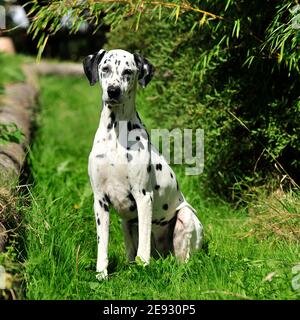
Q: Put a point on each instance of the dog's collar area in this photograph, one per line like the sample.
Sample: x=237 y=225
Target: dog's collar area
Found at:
x=120 y=111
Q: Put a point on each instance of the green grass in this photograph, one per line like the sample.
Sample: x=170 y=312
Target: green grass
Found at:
x=60 y=232
x=11 y=72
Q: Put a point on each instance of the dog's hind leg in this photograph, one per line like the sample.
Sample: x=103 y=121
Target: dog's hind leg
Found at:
x=130 y=231
x=188 y=233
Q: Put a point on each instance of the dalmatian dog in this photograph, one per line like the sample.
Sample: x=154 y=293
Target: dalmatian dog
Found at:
x=127 y=172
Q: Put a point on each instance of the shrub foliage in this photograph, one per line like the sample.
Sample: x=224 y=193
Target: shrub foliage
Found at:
x=228 y=67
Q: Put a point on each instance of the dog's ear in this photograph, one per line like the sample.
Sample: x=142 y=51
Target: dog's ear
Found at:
x=90 y=66
x=146 y=69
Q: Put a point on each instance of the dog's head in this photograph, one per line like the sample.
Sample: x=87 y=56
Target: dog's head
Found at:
x=118 y=72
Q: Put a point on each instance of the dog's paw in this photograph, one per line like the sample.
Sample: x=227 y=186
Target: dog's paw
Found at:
x=102 y=275
x=140 y=261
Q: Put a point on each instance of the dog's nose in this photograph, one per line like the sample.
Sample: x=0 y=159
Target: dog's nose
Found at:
x=113 y=92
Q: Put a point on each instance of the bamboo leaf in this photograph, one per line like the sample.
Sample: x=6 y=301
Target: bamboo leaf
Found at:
x=177 y=13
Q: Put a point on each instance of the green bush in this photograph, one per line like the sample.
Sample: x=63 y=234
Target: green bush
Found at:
x=234 y=74
x=226 y=82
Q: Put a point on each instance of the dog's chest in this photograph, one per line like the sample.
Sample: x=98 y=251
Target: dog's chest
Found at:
x=111 y=167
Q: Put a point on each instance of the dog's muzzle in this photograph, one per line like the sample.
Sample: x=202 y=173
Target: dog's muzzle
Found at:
x=114 y=93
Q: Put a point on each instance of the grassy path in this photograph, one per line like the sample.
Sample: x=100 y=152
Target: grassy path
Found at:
x=60 y=228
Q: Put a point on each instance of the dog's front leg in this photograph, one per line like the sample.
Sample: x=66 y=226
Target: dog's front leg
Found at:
x=144 y=207
x=102 y=223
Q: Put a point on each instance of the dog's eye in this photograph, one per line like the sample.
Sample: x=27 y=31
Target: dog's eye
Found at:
x=105 y=69
x=127 y=72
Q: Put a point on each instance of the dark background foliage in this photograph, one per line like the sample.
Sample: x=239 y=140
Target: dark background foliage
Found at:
x=203 y=80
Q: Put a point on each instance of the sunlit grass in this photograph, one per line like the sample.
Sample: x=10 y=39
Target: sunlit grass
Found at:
x=60 y=229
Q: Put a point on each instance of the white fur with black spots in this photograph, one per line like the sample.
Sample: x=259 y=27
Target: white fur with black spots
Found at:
x=128 y=173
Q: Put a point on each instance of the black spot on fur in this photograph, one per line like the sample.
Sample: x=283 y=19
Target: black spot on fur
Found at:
x=131 y=197
x=164 y=223
x=144 y=192
x=101 y=204
x=98 y=222
x=177 y=185
x=159 y=166
x=157 y=187
x=112 y=120
x=100 y=155
x=171 y=175
x=113 y=116
x=165 y=207
x=129 y=127
x=136 y=126
x=107 y=198
x=106 y=207
x=132 y=207
x=137 y=138
x=134 y=220
x=149 y=168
